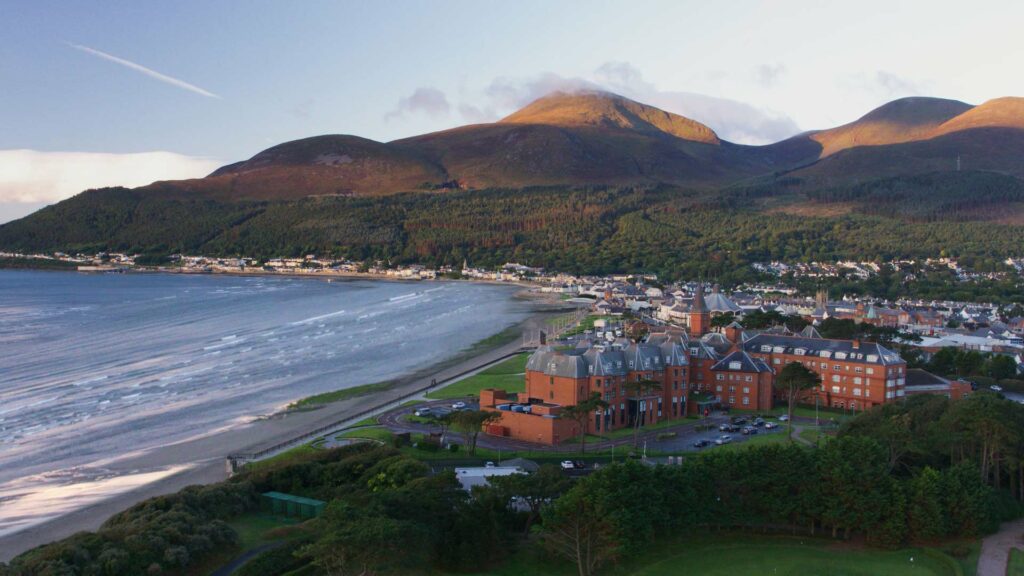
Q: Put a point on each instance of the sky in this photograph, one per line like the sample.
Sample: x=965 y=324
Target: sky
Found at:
x=128 y=92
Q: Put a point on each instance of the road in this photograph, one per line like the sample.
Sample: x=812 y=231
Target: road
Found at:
x=686 y=433
x=995 y=549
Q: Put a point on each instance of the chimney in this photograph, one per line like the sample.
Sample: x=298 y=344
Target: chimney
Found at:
x=856 y=344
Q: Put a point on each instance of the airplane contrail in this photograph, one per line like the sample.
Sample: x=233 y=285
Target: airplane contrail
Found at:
x=147 y=71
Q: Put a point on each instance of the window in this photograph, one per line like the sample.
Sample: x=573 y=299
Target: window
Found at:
x=551 y=381
x=598 y=383
x=746 y=390
x=835 y=377
x=776 y=361
x=719 y=377
x=871 y=370
x=718 y=388
x=732 y=399
x=856 y=380
x=746 y=401
x=835 y=367
x=856 y=392
x=735 y=365
x=749 y=378
x=732 y=388
x=835 y=389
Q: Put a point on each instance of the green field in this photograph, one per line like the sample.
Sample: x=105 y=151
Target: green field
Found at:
x=794 y=558
x=735 y=555
x=507 y=375
x=339 y=395
x=1016 y=565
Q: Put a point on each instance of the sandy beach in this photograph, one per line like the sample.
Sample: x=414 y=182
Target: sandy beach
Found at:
x=202 y=460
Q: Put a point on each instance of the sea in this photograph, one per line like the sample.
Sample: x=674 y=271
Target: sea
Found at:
x=95 y=366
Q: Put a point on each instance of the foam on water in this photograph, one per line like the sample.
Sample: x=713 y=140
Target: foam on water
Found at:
x=97 y=366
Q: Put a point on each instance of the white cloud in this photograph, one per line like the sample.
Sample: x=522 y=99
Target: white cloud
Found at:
x=768 y=74
x=33 y=176
x=427 y=100
x=147 y=71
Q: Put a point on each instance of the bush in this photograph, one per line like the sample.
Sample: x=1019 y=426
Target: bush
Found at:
x=667 y=435
x=275 y=561
x=427 y=446
x=453 y=447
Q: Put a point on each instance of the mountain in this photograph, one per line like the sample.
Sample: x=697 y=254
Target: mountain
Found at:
x=898 y=121
x=916 y=136
x=587 y=181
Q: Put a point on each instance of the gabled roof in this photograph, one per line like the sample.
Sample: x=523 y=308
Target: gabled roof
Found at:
x=810 y=332
x=865 y=352
x=740 y=361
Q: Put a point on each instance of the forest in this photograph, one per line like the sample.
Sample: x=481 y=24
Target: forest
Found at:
x=923 y=472
x=670 y=231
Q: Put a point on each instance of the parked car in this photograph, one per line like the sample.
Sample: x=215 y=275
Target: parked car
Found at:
x=568 y=465
x=739 y=420
x=489 y=465
x=996 y=388
x=579 y=464
x=723 y=439
x=759 y=422
x=724 y=427
x=701 y=443
x=770 y=425
x=423 y=412
x=784 y=418
x=459 y=406
x=749 y=431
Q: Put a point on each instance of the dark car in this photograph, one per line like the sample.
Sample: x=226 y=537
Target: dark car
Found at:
x=759 y=422
x=749 y=431
x=739 y=420
x=579 y=464
x=701 y=443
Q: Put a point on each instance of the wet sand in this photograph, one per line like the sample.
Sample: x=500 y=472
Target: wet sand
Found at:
x=205 y=456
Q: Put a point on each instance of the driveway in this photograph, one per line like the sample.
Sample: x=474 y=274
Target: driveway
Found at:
x=995 y=549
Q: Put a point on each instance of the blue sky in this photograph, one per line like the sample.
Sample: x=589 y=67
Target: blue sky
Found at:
x=754 y=71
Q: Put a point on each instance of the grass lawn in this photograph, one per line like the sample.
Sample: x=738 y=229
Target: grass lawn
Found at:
x=382 y=434
x=742 y=554
x=1016 y=565
x=584 y=325
x=758 y=440
x=252 y=528
x=824 y=414
x=793 y=557
x=814 y=435
x=284 y=457
x=338 y=395
x=507 y=375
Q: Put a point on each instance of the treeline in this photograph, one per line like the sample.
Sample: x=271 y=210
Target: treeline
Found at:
x=926 y=471
x=163 y=535
x=673 y=232
x=939 y=196
x=984 y=431
x=843 y=489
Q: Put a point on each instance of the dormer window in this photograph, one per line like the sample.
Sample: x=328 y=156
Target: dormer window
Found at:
x=799 y=351
x=766 y=348
x=735 y=365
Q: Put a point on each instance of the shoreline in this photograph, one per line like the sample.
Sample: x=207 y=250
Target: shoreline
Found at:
x=322 y=274
x=204 y=458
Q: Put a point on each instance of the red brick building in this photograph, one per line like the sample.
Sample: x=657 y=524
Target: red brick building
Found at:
x=855 y=375
x=731 y=368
